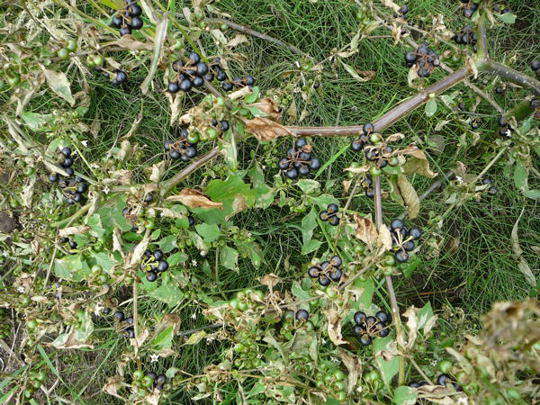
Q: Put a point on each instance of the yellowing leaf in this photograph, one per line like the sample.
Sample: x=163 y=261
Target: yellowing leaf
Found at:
x=194 y=199
x=59 y=83
x=365 y=229
x=409 y=196
x=417 y=162
x=361 y=76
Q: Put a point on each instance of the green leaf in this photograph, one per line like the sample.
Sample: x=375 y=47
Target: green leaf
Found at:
x=37 y=122
x=368 y=289
x=252 y=250
x=507 y=18
x=299 y=292
x=209 y=232
x=72 y=267
x=169 y=294
x=404 y=396
x=308 y=186
x=168 y=243
x=431 y=107
x=176 y=258
x=115 y=4
x=309 y=223
x=196 y=337
x=424 y=315
x=520 y=176
x=104 y=260
x=388 y=368
x=533 y=194
x=163 y=339
x=96 y=226
x=311 y=246
x=229 y=258
x=59 y=83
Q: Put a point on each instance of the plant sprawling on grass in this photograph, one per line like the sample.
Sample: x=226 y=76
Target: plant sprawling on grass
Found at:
x=183 y=218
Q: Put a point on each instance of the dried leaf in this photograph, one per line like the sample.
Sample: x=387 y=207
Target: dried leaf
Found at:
x=361 y=76
x=112 y=386
x=161 y=34
x=127 y=42
x=269 y=108
x=417 y=162
x=409 y=196
x=357 y=170
x=73 y=230
x=59 y=83
x=334 y=327
x=354 y=367
x=395 y=137
x=139 y=250
x=194 y=199
x=270 y=280
x=523 y=266
x=265 y=129
x=365 y=229
x=237 y=40
x=157 y=171
x=384 y=238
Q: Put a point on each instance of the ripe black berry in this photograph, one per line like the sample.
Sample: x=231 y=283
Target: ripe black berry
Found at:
x=185 y=85
x=134 y=10
x=126 y=30
x=119 y=315
x=158 y=254
x=194 y=58
x=163 y=265
x=120 y=77
x=302 y=315
x=66 y=151
x=324 y=281
x=227 y=86
x=535 y=65
x=136 y=23
x=313 y=272
x=151 y=276
x=396 y=224
x=359 y=317
x=117 y=21
x=401 y=256
x=53 y=177
x=224 y=125
x=443 y=379
x=336 y=275
x=382 y=316
x=365 y=339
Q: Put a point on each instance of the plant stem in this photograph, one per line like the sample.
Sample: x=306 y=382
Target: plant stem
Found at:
x=257 y=34
x=391 y=116
x=173 y=181
x=511 y=75
x=389 y=284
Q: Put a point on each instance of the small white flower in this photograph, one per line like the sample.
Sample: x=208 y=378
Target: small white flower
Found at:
x=154 y=358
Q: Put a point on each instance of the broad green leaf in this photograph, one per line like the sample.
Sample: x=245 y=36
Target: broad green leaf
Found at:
x=533 y=194
x=309 y=223
x=424 y=315
x=299 y=292
x=37 y=122
x=209 y=232
x=104 y=260
x=308 y=185
x=163 y=339
x=168 y=243
x=59 y=83
x=431 y=107
x=404 y=396
x=115 y=4
x=229 y=258
x=72 y=267
x=168 y=294
x=507 y=18
x=177 y=258
x=387 y=368
x=251 y=250
x=311 y=246
x=520 y=176
x=196 y=337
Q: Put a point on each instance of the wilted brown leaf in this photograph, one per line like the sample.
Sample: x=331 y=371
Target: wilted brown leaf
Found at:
x=523 y=266
x=384 y=238
x=265 y=129
x=237 y=40
x=357 y=170
x=269 y=107
x=417 y=162
x=409 y=196
x=112 y=386
x=354 y=367
x=127 y=42
x=73 y=230
x=334 y=327
x=365 y=229
x=270 y=280
x=194 y=199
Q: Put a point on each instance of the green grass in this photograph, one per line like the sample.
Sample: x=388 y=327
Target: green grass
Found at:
x=474 y=266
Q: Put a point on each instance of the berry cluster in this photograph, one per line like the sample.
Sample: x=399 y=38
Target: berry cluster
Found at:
x=366 y=184
x=374 y=149
x=149 y=381
x=505 y=130
x=330 y=215
x=443 y=379
x=327 y=271
x=368 y=327
x=128 y=19
x=154 y=263
x=125 y=324
x=185 y=147
x=72 y=244
x=469 y=7
x=491 y=189
x=74 y=188
x=425 y=58
x=500 y=8
x=193 y=73
x=299 y=160
x=403 y=240
x=466 y=36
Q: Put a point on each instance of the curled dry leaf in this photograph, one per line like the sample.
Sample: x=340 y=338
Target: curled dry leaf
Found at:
x=365 y=229
x=334 y=327
x=265 y=129
x=157 y=171
x=523 y=266
x=395 y=137
x=237 y=40
x=354 y=367
x=270 y=280
x=127 y=42
x=194 y=199
x=409 y=196
x=112 y=386
x=73 y=230
x=417 y=162
x=384 y=238
x=139 y=250
x=357 y=170
x=269 y=107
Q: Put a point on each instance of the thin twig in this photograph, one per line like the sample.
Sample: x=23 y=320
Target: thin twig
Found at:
x=246 y=30
x=389 y=284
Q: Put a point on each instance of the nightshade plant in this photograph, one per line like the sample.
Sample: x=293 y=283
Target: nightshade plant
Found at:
x=159 y=264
